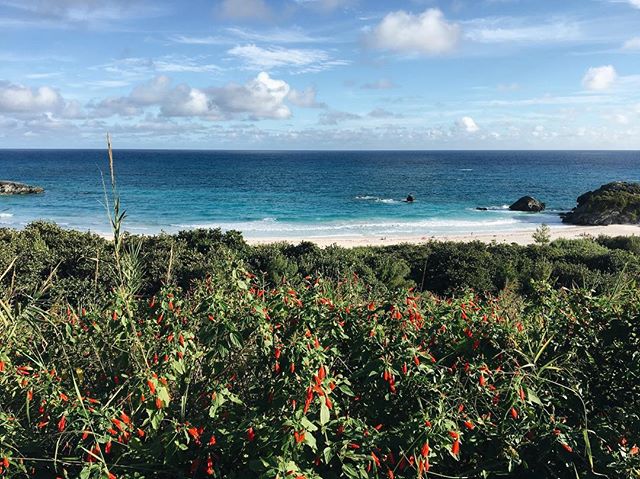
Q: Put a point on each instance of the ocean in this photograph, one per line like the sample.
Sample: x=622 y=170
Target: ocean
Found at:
x=304 y=194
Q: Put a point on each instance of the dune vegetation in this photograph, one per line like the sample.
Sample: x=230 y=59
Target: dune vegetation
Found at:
x=197 y=355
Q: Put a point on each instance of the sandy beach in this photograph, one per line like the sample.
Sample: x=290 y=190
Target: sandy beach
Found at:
x=521 y=237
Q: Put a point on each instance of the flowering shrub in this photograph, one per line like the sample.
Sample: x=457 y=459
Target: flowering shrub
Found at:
x=324 y=379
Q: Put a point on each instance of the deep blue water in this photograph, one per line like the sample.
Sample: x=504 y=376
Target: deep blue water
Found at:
x=305 y=194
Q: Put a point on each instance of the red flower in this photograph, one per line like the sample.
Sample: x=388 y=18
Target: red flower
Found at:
x=425 y=449
x=62 y=424
x=469 y=425
x=251 y=435
x=514 y=413
x=455 y=448
x=567 y=447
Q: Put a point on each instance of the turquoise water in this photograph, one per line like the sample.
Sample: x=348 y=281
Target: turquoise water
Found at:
x=307 y=194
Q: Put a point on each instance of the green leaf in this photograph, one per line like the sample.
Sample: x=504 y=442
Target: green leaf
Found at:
x=344 y=389
x=324 y=413
x=533 y=397
x=310 y=440
x=308 y=425
x=235 y=340
x=178 y=367
x=327 y=454
x=350 y=471
x=163 y=395
x=587 y=444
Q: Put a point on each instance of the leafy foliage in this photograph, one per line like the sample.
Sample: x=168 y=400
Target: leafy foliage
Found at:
x=317 y=377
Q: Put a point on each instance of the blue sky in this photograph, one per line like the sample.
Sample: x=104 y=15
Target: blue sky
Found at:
x=321 y=74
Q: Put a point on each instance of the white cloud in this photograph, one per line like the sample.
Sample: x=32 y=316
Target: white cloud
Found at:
x=509 y=30
x=59 y=13
x=305 y=98
x=468 y=124
x=151 y=92
x=244 y=9
x=600 y=78
x=428 y=33
x=184 y=100
x=262 y=97
x=303 y=60
x=632 y=43
x=19 y=98
x=28 y=102
x=334 y=117
x=635 y=3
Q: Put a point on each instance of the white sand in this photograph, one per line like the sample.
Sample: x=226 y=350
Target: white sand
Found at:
x=518 y=237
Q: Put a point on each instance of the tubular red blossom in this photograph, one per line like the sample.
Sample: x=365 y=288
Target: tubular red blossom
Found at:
x=455 y=448
x=62 y=423
x=425 y=449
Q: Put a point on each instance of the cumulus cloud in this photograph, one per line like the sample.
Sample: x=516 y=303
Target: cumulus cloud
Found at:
x=468 y=124
x=305 y=98
x=261 y=97
x=244 y=9
x=27 y=101
x=19 y=98
x=302 y=60
x=632 y=43
x=428 y=33
x=600 y=78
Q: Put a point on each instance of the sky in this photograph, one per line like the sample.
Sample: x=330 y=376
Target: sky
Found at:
x=320 y=74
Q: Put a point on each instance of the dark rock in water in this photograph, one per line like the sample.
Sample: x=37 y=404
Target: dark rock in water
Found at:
x=13 y=188
x=410 y=199
x=612 y=204
x=480 y=208
x=529 y=204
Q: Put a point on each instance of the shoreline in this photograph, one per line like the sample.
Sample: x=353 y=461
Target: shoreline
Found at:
x=520 y=237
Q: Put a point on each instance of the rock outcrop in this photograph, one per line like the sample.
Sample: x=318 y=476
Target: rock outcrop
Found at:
x=612 y=204
x=528 y=204
x=13 y=188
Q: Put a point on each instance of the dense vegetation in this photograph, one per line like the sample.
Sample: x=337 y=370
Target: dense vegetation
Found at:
x=197 y=355
x=613 y=203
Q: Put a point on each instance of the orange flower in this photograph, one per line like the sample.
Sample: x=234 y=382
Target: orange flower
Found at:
x=62 y=424
x=514 y=413
x=152 y=386
x=567 y=447
x=425 y=449
x=455 y=448
x=469 y=425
